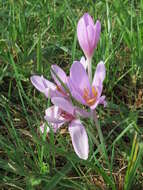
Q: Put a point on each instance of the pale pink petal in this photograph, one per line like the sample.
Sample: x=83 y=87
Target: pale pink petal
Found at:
x=42 y=84
x=91 y=37
x=79 y=139
x=103 y=101
x=52 y=115
x=79 y=76
x=99 y=74
x=82 y=36
x=88 y=19
x=43 y=127
x=63 y=104
x=97 y=32
x=100 y=100
x=76 y=93
x=84 y=62
x=99 y=90
x=78 y=97
x=60 y=73
x=37 y=83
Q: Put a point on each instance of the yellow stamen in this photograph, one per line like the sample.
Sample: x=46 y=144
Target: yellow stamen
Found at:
x=60 y=90
x=90 y=100
x=94 y=92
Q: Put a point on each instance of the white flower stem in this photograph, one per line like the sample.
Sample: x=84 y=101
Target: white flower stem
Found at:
x=89 y=60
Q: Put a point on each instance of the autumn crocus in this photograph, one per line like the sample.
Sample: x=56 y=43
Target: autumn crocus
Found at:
x=51 y=89
x=64 y=112
x=88 y=35
x=80 y=87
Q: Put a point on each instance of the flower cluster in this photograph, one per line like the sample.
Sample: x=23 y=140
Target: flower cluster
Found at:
x=77 y=87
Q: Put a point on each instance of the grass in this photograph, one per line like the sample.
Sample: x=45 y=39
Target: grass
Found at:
x=35 y=34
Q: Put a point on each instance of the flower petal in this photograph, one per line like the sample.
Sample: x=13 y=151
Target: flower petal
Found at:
x=99 y=74
x=82 y=36
x=91 y=37
x=60 y=73
x=103 y=101
x=42 y=84
x=88 y=19
x=84 y=62
x=52 y=115
x=43 y=127
x=75 y=92
x=63 y=104
x=78 y=97
x=79 y=76
x=79 y=139
x=100 y=100
x=97 y=32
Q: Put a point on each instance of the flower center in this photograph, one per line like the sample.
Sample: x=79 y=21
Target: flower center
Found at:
x=67 y=116
x=59 y=89
x=90 y=100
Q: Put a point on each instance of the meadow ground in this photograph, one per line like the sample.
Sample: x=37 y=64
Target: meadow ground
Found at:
x=34 y=34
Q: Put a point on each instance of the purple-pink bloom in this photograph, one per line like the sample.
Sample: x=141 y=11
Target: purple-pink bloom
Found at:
x=64 y=112
x=88 y=34
x=51 y=89
x=80 y=88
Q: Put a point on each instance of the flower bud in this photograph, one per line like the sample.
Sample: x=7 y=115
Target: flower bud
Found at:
x=88 y=34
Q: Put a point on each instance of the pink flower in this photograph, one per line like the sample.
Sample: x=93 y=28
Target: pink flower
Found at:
x=80 y=88
x=88 y=34
x=49 y=88
x=64 y=112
